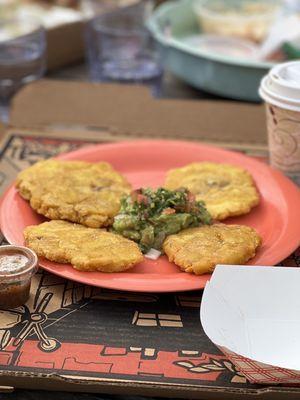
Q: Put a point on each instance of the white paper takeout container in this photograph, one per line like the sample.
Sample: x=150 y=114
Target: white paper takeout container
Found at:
x=253 y=315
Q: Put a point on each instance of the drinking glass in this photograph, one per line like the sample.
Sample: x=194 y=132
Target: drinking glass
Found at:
x=22 y=57
x=91 y=8
x=120 y=49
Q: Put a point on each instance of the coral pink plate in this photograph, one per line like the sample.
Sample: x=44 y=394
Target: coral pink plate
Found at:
x=145 y=163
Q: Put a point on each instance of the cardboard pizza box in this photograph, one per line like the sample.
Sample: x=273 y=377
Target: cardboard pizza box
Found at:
x=139 y=352
x=130 y=112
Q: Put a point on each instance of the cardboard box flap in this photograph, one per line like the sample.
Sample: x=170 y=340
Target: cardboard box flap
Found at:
x=264 y=326
x=50 y=102
x=131 y=111
x=176 y=360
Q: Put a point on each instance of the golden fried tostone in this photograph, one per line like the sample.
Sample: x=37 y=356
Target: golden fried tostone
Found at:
x=87 y=249
x=199 y=250
x=77 y=191
x=227 y=190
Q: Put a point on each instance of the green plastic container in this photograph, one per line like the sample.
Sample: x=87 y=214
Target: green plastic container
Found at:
x=214 y=73
x=291 y=51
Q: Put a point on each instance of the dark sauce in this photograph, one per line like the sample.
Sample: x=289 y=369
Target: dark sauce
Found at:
x=14 y=279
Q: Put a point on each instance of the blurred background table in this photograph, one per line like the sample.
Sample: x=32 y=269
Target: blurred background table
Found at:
x=172 y=87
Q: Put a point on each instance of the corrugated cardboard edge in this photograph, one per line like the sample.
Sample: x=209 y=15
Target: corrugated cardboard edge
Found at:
x=145 y=388
x=105 y=135
x=6 y=389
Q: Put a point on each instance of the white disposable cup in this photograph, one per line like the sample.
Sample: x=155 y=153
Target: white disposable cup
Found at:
x=280 y=90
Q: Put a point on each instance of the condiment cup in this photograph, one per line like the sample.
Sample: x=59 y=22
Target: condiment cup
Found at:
x=17 y=266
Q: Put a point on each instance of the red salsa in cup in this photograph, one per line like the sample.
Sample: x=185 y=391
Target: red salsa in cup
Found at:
x=17 y=266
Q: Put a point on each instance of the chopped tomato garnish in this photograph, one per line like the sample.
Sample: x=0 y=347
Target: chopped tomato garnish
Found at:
x=141 y=199
x=169 y=211
x=191 y=197
x=134 y=194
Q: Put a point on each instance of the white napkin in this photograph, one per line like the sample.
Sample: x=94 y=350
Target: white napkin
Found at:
x=285 y=29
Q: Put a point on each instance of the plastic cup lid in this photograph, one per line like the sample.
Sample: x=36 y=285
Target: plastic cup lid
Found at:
x=16 y=261
x=282 y=86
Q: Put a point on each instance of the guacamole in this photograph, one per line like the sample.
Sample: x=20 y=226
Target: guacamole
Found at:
x=148 y=216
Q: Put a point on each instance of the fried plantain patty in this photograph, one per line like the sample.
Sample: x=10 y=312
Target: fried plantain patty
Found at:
x=87 y=249
x=199 y=250
x=77 y=191
x=227 y=190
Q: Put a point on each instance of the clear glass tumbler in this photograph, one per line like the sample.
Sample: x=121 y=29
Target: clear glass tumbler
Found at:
x=22 y=57
x=92 y=8
x=120 y=49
